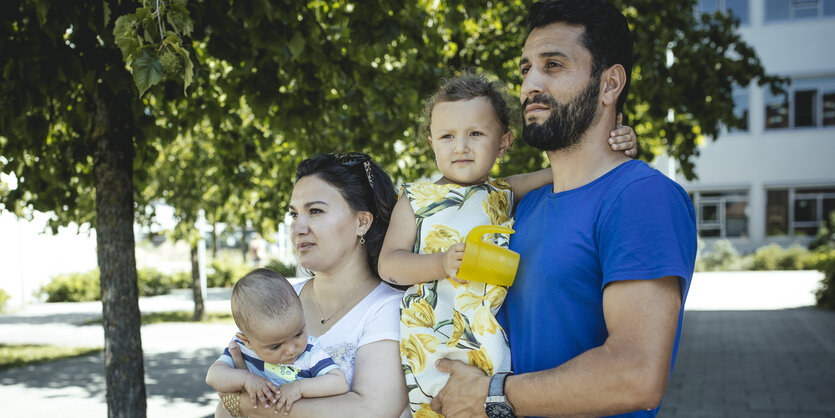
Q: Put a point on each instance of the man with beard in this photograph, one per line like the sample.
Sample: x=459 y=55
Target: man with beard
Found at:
x=607 y=252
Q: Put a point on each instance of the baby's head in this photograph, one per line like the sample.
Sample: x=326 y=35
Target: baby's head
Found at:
x=269 y=314
x=468 y=124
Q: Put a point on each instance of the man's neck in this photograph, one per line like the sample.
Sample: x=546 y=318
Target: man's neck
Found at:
x=583 y=163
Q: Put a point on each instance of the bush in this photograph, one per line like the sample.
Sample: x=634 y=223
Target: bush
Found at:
x=225 y=271
x=825 y=261
x=286 y=270
x=4 y=297
x=722 y=256
x=774 y=257
x=152 y=282
x=73 y=287
x=85 y=287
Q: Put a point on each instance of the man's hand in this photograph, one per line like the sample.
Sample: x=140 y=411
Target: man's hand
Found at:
x=237 y=356
x=465 y=391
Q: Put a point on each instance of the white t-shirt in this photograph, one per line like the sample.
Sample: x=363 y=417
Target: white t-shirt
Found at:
x=375 y=318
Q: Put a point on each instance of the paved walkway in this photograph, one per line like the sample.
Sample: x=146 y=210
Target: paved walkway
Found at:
x=751 y=348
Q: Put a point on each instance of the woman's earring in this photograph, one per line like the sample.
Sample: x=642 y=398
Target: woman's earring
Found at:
x=362 y=239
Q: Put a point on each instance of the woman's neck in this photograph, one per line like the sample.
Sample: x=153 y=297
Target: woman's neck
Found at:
x=336 y=292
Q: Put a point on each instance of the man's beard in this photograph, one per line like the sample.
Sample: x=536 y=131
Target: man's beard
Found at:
x=567 y=123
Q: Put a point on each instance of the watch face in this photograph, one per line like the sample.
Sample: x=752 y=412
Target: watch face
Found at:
x=498 y=410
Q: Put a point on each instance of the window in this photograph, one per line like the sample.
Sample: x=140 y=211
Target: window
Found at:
x=812 y=105
x=721 y=214
x=738 y=8
x=776 y=111
x=741 y=106
x=798 y=211
x=776 y=10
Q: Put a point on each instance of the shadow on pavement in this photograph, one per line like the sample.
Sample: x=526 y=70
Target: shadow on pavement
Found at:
x=176 y=376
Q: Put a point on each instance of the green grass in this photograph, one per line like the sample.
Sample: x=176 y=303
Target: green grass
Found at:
x=24 y=355
x=185 y=316
x=178 y=316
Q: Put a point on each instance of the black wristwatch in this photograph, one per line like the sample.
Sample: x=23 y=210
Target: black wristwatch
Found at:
x=496 y=406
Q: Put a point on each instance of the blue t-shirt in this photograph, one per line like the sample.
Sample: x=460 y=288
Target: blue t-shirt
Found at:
x=631 y=223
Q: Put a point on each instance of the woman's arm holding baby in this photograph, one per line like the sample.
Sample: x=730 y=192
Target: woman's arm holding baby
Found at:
x=378 y=389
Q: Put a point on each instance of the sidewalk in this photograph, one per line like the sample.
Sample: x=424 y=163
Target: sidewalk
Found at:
x=750 y=348
x=176 y=356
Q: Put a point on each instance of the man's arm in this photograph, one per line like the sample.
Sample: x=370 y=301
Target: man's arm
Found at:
x=629 y=372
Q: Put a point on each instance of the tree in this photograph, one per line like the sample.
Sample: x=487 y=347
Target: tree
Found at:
x=67 y=132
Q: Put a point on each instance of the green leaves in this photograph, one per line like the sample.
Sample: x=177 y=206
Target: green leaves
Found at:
x=147 y=71
x=126 y=37
x=151 y=52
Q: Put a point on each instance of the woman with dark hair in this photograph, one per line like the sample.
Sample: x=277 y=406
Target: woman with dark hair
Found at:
x=341 y=204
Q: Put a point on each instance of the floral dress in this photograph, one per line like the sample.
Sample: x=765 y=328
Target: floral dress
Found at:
x=444 y=318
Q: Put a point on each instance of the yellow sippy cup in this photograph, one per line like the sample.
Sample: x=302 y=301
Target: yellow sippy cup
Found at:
x=487 y=262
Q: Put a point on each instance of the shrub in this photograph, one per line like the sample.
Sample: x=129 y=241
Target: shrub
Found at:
x=225 y=271
x=181 y=280
x=722 y=256
x=85 y=287
x=774 y=257
x=824 y=261
x=4 y=297
x=73 y=287
x=286 y=270
x=152 y=282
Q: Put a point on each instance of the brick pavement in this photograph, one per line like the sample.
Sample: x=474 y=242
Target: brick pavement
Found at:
x=764 y=364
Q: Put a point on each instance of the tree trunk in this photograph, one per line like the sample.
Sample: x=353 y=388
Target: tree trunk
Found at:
x=113 y=172
x=199 y=307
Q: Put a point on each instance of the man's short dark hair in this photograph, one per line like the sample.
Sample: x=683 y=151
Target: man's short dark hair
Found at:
x=606 y=35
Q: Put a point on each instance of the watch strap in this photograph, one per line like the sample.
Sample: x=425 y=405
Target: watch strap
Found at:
x=497 y=384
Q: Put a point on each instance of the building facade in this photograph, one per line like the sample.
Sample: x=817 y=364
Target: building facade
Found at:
x=774 y=180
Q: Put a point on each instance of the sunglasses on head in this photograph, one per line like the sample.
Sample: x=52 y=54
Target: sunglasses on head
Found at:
x=351 y=159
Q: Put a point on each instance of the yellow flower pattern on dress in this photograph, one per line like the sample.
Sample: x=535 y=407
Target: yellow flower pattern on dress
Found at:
x=468 y=300
x=457 y=328
x=495 y=297
x=444 y=318
x=497 y=207
x=411 y=349
x=440 y=238
x=484 y=322
x=426 y=411
x=425 y=193
x=430 y=342
x=481 y=359
x=418 y=314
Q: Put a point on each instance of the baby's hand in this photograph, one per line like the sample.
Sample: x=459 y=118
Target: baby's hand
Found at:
x=452 y=261
x=288 y=393
x=260 y=389
x=623 y=138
